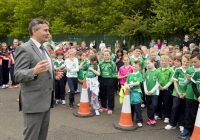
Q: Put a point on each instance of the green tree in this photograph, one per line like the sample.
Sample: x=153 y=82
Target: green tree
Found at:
x=175 y=16
x=6 y=16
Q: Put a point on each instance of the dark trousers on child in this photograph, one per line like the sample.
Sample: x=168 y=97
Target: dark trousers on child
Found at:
x=151 y=102
x=12 y=76
x=143 y=94
x=107 y=92
x=1 y=76
x=164 y=104
x=117 y=85
x=5 y=75
x=190 y=113
x=136 y=108
x=72 y=82
x=60 y=88
x=178 y=111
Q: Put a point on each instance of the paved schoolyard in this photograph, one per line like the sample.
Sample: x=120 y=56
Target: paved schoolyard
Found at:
x=64 y=126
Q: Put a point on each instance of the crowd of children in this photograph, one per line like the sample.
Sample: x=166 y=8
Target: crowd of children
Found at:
x=165 y=79
x=7 y=62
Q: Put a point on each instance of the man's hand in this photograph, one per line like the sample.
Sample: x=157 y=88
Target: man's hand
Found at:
x=41 y=67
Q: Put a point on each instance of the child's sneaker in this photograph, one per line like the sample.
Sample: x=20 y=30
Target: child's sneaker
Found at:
x=78 y=104
x=139 y=124
x=157 y=117
x=110 y=111
x=10 y=86
x=166 y=120
x=57 y=101
x=153 y=122
x=149 y=122
x=169 y=127
x=142 y=105
x=63 y=102
x=17 y=85
x=97 y=112
x=181 y=128
x=184 y=134
x=3 y=87
x=102 y=109
x=7 y=85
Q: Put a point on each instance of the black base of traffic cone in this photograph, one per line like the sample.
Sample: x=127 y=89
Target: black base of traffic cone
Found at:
x=117 y=126
x=76 y=114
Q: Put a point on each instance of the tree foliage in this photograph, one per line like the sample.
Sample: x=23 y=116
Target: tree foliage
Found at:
x=88 y=17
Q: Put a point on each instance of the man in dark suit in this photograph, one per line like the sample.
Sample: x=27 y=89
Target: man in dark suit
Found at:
x=36 y=75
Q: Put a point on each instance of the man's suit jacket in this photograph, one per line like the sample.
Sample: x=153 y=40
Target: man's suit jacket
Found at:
x=36 y=93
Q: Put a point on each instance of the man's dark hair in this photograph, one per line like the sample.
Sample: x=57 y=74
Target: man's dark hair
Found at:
x=34 y=24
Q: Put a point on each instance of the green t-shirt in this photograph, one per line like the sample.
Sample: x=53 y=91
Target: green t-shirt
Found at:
x=143 y=65
x=189 y=91
x=166 y=74
x=151 y=77
x=91 y=74
x=108 y=69
x=81 y=73
x=133 y=78
x=196 y=79
x=179 y=76
x=58 y=63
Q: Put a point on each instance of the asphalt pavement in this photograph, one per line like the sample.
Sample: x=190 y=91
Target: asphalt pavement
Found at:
x=65 y=126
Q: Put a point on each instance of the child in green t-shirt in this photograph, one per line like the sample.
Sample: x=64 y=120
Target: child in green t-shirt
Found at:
x=164 y=98
x=59 y=63
x=92 y=73
x=179 y=93
x=83 y=63
x=108 y=71
x=152 y=81
x=133 y=84
x=193 y=77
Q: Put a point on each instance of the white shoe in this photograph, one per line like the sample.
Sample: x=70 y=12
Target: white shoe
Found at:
x=7 y=85
x=169 y=127
x=78 y=104
x=181 y=128
x=57 y=101
x=166 y=120
x=97 y=112
x=4 y=86
x=139 y=124
x=63 y=102
x=157 y=118
x=77 y=91
x=142 y=105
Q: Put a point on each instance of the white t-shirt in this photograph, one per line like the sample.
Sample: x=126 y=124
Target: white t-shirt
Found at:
x=102 y=45
x=72 y=66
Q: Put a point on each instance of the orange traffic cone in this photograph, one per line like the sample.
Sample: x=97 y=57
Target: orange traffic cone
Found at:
x=84 y=108
x=125 y=123
x=196 y=131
